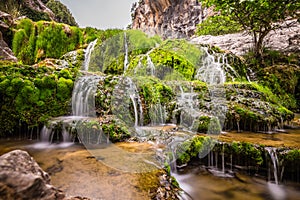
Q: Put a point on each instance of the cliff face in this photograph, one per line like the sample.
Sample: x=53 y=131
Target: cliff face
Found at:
x=169 y=18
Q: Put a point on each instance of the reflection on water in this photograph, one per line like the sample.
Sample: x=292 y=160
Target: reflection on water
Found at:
x=77 y=173
x=200 y=184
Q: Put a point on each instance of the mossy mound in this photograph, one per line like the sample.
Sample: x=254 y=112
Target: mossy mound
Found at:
x=32 y=94
x=35 y=41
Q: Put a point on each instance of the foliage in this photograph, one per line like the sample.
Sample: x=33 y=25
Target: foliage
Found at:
x=259 y=17
x=21 y=8
x=62 y=13
x=34 y=41
x=218 y=25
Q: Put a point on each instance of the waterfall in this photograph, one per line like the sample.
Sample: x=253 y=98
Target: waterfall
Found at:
x=88 y=53
x=214 y=69
x=157 y=114
x=150 y=64
x=275 y=165
x=83 y=106
x=83 y=97
x=188 y=105
x=126 y=53
x=136 y=101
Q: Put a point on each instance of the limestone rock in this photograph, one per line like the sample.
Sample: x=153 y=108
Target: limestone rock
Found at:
x=5 y=52
x=169 y=18
x=22 y=178
x=39 y=6
x=285 y=40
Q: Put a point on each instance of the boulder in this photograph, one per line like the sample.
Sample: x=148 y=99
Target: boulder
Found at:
x=22 y=178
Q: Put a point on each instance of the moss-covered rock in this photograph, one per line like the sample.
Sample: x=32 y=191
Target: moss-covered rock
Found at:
x=34 y=41
x=32 y=94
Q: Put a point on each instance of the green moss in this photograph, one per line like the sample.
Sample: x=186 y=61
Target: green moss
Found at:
x=34 y=41
x=168 y=59
x=116 y=130
x=293 y=155
x=193 y=147
x=29 y=96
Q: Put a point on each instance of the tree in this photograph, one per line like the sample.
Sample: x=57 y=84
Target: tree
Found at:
x=259 y=17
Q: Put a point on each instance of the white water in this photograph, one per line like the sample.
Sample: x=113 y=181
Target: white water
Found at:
x=136 y=101
x=188 y=104
x=157 y=114
x=83 y=97
x=275 y=165
x=83 y=105
x=150 y=64
x=126 y=53
x=88 y=53
x=214 y=69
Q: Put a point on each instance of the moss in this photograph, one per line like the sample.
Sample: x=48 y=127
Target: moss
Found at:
x=248 y=150
x=292 y=155
x=32 y=94
x=167 y=59
x=116 y=130
x=34 y=41
x=193 y=147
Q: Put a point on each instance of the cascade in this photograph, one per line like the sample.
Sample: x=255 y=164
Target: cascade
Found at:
x=126 y=53
x=136 y=101
x=88 y=53
x=157 y=114
x=150 y=64
x=187 y=103
x=83 y=97
x=124 y=91
x=275 y=165
x=214 y=69
x=83 y=106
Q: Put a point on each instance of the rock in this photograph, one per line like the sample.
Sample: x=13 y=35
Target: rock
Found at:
x=22 y=178
x=286 y=40
x=169 y=18
x=5 y=52
x=39 y=6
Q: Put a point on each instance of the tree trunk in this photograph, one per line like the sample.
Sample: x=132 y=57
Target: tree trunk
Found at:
x=258 y=45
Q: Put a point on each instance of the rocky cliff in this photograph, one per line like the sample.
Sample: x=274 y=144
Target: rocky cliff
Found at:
x=169 y=18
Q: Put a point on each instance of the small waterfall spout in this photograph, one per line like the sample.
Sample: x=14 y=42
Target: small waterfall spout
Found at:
x=275 y=165
x=150 y=65
x=137 y=103
x=88 y=53
x=83 y=98
x=126 y=53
